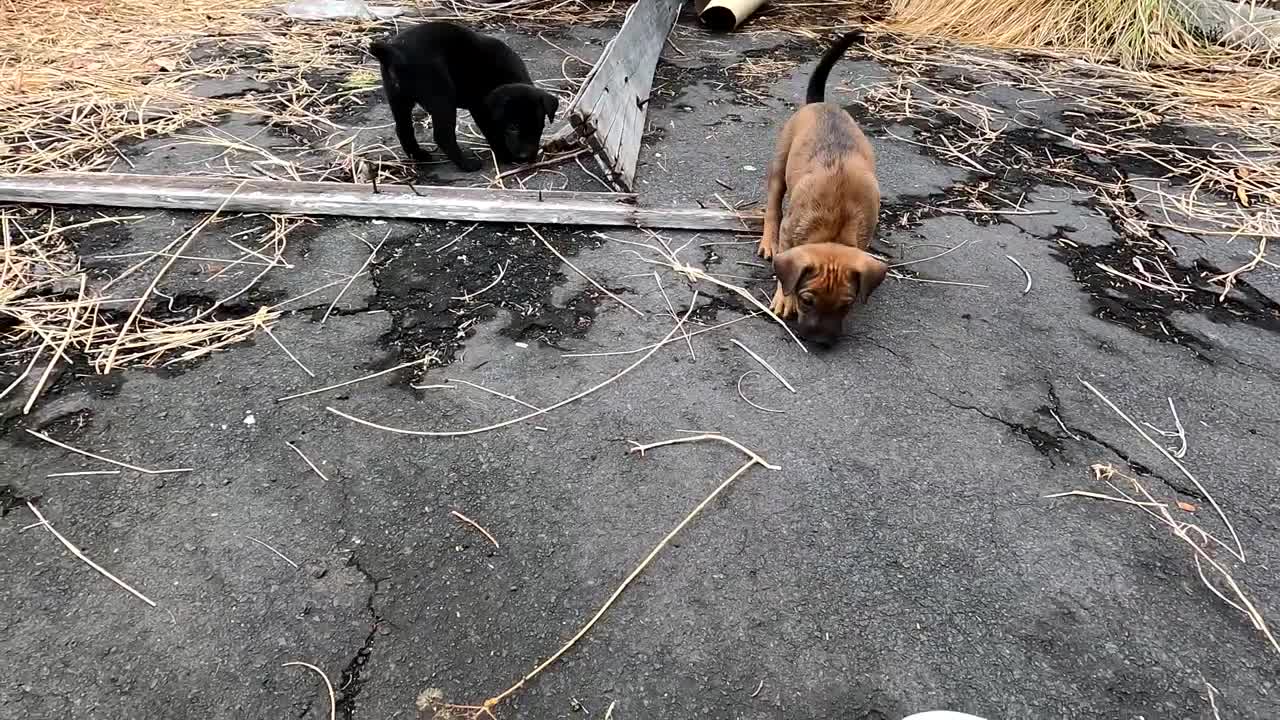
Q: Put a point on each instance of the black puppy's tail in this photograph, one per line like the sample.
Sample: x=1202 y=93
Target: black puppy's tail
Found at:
x=818 y=83
x=385 y=52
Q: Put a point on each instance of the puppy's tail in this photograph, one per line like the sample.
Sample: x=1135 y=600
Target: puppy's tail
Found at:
x=818 y=83
x=384 y=52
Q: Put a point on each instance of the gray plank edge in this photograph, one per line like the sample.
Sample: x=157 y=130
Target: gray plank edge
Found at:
x=348 y=200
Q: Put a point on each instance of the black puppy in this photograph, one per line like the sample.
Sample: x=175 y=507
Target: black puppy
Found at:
x=444 y=67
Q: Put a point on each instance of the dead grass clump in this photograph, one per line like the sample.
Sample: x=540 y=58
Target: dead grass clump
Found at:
x=79 y=80
x=541 y=11
x=1136 y=33
x=53 y=312
x=1215 y=574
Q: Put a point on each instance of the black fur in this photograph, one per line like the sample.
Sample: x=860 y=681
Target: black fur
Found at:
x=818 y=83
x=445 y=67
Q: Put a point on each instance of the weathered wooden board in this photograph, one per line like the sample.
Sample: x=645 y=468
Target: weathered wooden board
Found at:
x=344 y=199
x=609 y=111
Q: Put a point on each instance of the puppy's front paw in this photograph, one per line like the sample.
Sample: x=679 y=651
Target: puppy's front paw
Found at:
x=468 y=164
x=782 y=305
x=420 y=155
x=765 y=248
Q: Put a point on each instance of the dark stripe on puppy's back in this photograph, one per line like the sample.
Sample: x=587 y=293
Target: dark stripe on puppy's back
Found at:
x=832 y=140
x=818 y=83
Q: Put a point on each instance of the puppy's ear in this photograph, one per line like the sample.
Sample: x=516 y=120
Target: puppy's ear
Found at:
x=867 y=277
x=791 y=267
x=550 y=103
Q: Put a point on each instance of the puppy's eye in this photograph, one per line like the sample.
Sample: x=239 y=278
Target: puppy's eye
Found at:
x=806 y=300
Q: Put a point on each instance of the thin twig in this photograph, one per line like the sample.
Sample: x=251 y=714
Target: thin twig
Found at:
x=117 y=463
x=461 y=235
x=476 y=525
x=357 y=274
x=1063 y=425
x=695 y=333
x=699 y=437
x=948 y=251
x=468 y=297
x=588 y=278
x=286 y=350
x=60 y=352
x=333 y=700
x=362 y=378
x=1180 y=433
x=482 y=388
x=1181 y=530
x=1014 y=260
x=307 y=460
x=528 y=416
x=277 y=552
x=764 y=363
x=1239 y=549
x=76 y=551
x=155 y=281
x=747 y=399
x=696 y=274
x=754 y=460
x=672 y=309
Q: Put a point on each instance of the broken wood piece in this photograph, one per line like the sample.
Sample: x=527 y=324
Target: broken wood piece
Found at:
x=609 y=110
x=348 y=200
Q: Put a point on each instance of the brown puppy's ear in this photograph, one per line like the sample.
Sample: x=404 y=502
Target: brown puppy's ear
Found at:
x=791 y=266
x=550 y=103
x=867 y=277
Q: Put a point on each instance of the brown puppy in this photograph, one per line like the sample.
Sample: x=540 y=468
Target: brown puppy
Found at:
x=818 y=246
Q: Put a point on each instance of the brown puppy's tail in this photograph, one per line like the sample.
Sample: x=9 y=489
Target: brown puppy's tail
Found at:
x=818 y=83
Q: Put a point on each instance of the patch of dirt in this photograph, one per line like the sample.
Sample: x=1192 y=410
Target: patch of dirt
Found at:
x=421 y=286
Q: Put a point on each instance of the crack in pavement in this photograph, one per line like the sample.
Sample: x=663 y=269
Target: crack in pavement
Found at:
x=1042 y=441
x=1046 y=442
x=351 y=681
x=1138 y=467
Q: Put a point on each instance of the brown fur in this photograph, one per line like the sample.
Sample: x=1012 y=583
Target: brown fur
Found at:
x=826 y=167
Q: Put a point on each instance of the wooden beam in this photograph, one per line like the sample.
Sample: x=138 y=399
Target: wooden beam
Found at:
x=344 y=199
x=608 y=113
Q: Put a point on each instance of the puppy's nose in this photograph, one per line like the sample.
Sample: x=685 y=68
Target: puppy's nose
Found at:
x=823 y=340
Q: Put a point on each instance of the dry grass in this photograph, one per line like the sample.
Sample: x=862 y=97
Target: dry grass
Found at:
x=1215 y=574
x=53 y=312
x=81 y=80
x=1136 y=33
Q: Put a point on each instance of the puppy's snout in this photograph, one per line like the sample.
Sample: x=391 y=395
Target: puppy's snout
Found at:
x=821 y=331
x=823 y=341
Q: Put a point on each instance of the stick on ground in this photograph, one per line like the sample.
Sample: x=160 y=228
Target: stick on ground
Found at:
x=475 y=431
x=477 y=526
x=765 y=364
x=1239 y=548
x=333 y=701
x=753 y=460
x=76 y=551
x=88 y=454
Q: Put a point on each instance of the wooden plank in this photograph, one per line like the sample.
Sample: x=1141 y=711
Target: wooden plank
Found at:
x=349 y=200
x=610 y=108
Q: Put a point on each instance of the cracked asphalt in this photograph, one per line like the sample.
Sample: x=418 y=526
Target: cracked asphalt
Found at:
x=904 y=558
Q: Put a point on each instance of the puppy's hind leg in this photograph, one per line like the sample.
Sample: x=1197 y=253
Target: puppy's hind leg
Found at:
x=402 y=112
x=776 y=180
